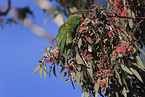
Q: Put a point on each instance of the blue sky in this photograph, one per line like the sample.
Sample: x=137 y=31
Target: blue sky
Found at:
x=20 y=51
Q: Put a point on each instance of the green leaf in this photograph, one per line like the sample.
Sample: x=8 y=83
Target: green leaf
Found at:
x=133 y=14
x=118 y=77
x=96 y=87
x=126 y=69
x=139 y=49
x=136 y=74
x=90 y=69
x=37 y=68
x=108 y=5
x=116 y=93
x=113 y=58
x=45 y=68
x=90 y=48
x=79 y=59
x=40 y=72
x=83 y=94
x=80 y=43
x=130 y=23
x=107 y=84
x=53 y=51
x=77 y=78
x=140 y=62
x=86 y=94
x=63 y=75
x=67 y=80
x=72 y=83
x=124 y=2
x=62 y=69
x=54 y=70
x=124 y=92
x=124 y=25
x=50 y=70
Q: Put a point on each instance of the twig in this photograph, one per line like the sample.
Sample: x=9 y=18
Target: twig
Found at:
x=137 y=26
x=80 y=11
x=128 y=17
x=54 y=39
x=8 y=9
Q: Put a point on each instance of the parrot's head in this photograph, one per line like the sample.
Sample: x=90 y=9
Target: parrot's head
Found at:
x=74 y=20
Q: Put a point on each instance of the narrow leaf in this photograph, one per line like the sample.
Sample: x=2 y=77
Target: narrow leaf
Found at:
x=116 y=93
x=86 y=94
x=37 y=68
x=136 y=74
x=139 y=49
x=90 y=48
x=96 y=86
x=45 y=69
x=83 y=94
x=130 y=23
x=40 y=72
x=79 y=42
x=79 y=59
x=67 y=80
x=108 y=5
x=90 y=69
x=126 y=69
x=62 y=69
x=124 y=92
x=63 y=75
x=118 y=77
x=72 y=83
x=140 y=62
x=45 y=72
x=77 y=78
x=54 y=70
x=50 y=71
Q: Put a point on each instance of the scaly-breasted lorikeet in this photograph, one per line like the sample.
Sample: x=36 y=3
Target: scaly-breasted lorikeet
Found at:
x=65 y=33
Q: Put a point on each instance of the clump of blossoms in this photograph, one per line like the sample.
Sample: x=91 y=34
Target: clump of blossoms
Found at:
x=103 y=58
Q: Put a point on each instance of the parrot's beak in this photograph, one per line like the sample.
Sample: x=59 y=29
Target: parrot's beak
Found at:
x=82 y=20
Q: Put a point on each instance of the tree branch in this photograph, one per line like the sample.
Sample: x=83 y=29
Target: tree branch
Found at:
x=9 y=7
x=37 y=30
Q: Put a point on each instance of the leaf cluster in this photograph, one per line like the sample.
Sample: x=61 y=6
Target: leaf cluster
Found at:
x=104 y=57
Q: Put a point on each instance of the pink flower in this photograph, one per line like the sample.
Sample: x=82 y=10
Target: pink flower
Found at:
x=124 y=13
x=125 y=45
x=47 y=60
x=93 y=82
x=107 y=27
x=56 y=53
x=123 y=49
x=97 y=24
x=130 y=48
x=127 y=7
x=118 y=5
x=89 y=57
x=118 y=49
x=109 y=34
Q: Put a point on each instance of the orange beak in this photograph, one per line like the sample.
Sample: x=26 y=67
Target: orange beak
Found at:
x=82 y=20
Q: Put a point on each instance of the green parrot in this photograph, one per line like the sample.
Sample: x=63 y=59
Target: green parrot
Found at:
x=65 y=33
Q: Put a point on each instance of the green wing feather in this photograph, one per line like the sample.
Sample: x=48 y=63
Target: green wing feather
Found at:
x=62 y=35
